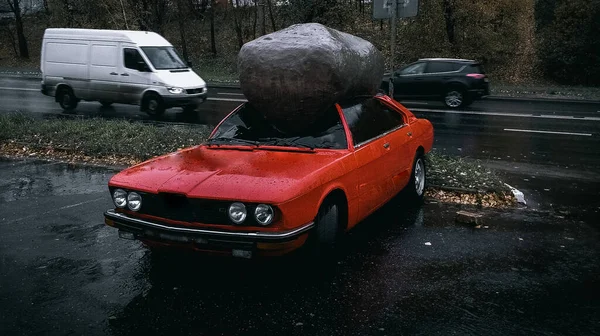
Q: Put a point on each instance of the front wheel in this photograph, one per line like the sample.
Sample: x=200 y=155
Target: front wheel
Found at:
x=326 y=230
x=66 y=99
x=415 y=190
x=153 y=105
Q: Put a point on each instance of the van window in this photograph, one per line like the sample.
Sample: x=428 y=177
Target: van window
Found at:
x=164 y=58
x=132 y=57
x=104 y=55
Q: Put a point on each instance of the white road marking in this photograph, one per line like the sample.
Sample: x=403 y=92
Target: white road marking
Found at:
x=228 y=99
x=414 y=103
x=546 y=132
x=230 y=94
x=499 y=114
x=17 y=89
x=504 y=114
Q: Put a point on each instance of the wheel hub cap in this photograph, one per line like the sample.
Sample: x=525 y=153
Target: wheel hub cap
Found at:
x=454 y=99
x=419 y=177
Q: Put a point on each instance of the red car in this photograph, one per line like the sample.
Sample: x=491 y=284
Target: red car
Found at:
x=250 y=190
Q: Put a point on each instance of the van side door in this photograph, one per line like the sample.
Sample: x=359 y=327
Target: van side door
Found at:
x=135 y=74
x=104 y=68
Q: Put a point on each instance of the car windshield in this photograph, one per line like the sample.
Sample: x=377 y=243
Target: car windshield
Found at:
x=164 y=58
x=248 y=127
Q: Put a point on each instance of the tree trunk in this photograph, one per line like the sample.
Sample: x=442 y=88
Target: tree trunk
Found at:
x=271 y=15
x=213 y=45
x=181 y=20
x=450 y=21
x=255 y=19
x=236 y=22
x=264 y=20
x=16 y=9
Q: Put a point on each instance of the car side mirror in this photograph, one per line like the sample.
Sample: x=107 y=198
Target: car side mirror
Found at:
x=142 y=67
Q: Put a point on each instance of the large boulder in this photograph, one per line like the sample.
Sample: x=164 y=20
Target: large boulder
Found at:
x=294 y=75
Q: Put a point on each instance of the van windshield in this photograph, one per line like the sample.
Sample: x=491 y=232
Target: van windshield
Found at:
x=164 y=58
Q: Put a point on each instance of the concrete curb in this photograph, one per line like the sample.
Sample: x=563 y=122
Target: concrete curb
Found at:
x=220 y=85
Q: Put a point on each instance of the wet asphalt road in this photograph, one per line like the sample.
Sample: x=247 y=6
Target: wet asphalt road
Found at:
x=533 y=271
x=532 y=131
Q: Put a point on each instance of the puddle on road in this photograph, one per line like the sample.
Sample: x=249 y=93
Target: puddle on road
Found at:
x=22 y=181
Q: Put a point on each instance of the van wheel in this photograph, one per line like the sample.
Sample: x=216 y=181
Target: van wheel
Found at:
x=106 y=104
x=153 y=105
x=66 y=99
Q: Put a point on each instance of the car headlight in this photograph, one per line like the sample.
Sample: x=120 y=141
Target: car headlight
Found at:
x=264 y=214
x=134 y=201
x=120 y=198
x=175 y=90
x=237 y=212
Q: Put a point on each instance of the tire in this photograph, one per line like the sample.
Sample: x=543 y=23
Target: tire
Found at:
x=415 y=189
x=153 y=105
x=455 y=97
x=190 y=110
x=66 y=99
x=106 y=104
x=326 y=232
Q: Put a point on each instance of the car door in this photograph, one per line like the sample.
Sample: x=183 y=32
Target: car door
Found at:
x=400 y=138
x=407 y=81
x=134 y=75
x=437 y=73
x=104 y=72
x=372 y=152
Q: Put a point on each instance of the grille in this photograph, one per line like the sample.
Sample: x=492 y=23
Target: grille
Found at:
x=194 y=91
x=180 y=208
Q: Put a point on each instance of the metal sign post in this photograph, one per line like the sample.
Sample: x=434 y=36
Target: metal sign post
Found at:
x=393 y=47
x=393 y=9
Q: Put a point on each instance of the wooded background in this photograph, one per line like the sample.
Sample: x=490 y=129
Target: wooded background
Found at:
x=517 y=40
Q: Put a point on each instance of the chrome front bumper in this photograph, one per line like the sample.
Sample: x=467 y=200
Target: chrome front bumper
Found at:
x=144 y=229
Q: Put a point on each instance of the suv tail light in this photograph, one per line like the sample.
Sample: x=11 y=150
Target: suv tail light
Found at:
x=476 y=75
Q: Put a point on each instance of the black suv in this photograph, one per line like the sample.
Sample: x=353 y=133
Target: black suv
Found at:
x=456 y=82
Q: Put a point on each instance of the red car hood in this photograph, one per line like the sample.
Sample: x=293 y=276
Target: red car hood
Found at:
x=233 y=174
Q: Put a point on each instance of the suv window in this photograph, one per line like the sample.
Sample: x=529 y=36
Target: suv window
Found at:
x=131 y=58
x=475 y=68
x=435 y=67
x=415 y=69
x=248 y=124
x=368 y=119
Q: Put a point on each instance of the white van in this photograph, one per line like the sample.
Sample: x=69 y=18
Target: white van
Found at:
x=117 y=66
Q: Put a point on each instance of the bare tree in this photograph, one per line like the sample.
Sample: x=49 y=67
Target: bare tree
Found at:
x=15 y=7
x=450 y=20
x=181 y=20
x=237 y=23
x=270 y=5
x=213 y=44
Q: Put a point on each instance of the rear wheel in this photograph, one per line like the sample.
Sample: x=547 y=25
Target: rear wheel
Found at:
x=153 y=105
x=415 y=190
x=454 y=97
x=66 y=99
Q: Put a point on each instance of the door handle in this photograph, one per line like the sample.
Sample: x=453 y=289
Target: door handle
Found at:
x=409 y=133
x=386 y=145
x=113 y=73
x=124 y=74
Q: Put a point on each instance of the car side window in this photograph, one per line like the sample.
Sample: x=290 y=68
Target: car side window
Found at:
x=131 y=58
x=415 y=69
x=435 y=67
x=368 y=119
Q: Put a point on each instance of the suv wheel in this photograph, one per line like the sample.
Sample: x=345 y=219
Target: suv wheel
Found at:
x=454 y=98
